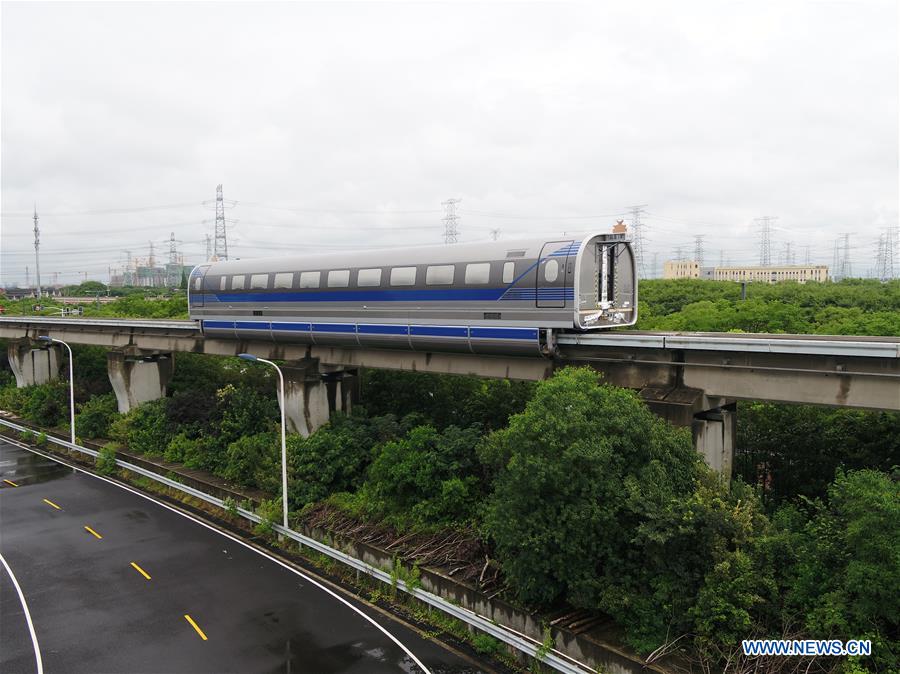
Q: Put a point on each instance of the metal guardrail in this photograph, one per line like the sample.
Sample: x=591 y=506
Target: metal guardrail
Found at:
x=558 y=661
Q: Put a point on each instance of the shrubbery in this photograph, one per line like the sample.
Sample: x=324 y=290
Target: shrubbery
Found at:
x=427 y=478
x=144 y=429
x=96 y=416
x=335 y=458
x=106 y=460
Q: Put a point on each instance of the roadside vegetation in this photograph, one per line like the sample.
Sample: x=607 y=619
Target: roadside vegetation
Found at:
x=569 y=491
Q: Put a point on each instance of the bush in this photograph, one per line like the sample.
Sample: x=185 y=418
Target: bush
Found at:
x=244 y=411
x=444 y=400
x=47 y=404
x=96 y=416
x=427 y=478
x=335 y=457
x=13 y=399
x=255 y=461
x=203 y=452
x=577 y=473
x=106 y=460
x=144 y=429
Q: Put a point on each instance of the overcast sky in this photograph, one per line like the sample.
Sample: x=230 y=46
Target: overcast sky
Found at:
x=340 y=125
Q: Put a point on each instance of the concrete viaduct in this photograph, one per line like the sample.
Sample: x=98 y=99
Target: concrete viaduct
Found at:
x=691 y=379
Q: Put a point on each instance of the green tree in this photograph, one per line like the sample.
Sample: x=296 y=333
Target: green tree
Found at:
x=577 y=472
x=842 y=575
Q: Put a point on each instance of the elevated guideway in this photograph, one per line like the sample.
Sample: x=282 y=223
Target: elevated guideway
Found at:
x=691 y=379
x=825 y=370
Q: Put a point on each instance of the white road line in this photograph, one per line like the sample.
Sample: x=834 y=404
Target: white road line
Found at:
x=37 y=649
x=236 y=540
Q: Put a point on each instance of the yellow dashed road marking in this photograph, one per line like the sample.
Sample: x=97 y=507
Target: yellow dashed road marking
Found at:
x=140 y=570
x=195 y=626
x=51 y=503
x=11 y=482
x=92 y=532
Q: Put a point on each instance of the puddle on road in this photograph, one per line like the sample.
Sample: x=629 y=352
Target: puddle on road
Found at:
x=23 y=467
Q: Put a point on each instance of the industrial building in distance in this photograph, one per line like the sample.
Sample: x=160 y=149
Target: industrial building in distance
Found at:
x=801 y=273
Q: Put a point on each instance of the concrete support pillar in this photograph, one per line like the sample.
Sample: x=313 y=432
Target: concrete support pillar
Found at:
x=138 y=377
x=33 y=366
x=313 y=395
x=714 y=433
x=712 y=421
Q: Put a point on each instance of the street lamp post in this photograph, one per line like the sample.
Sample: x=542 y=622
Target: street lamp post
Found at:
x=284 y=492
x=44 y=338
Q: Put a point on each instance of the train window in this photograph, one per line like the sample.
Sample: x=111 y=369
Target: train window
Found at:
x=369 y=277
x=551 y=271
x=478 y=273
x=339 y=278
x=509 y=272
x=439 y=275
x=284 y=279
x=222 y=281
x=309 y=279
x=403 y=276
x=259 y=281
x=197 y=282
x=237 y=282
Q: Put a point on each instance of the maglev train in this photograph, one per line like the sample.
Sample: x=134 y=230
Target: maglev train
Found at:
x=497 y=297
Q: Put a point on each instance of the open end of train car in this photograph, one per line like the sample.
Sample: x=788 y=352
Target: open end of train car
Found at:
x=607 y=284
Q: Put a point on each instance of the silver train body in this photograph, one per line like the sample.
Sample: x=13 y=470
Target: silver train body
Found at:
x=496 y=297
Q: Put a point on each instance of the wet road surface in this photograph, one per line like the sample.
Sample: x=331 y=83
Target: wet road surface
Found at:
x=117 y=583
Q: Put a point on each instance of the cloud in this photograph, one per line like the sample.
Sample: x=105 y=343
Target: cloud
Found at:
x=711 y=113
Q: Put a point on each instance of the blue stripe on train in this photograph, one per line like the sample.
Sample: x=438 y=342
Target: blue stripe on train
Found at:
x=300 y=327
x=334 y=327
x=419 y=295
x=504 y=333
x=438 y=331
x=363 y=328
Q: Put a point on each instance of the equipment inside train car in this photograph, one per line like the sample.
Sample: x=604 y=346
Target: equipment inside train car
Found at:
x=488 y=297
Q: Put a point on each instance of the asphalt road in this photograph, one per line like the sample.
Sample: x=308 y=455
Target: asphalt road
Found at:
x=82 y=550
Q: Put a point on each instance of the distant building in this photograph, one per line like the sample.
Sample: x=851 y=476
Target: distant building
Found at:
x=674 y=269
x=798 y=273
x=681 y=269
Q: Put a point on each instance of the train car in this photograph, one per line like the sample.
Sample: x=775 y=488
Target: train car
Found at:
x=501 y=297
